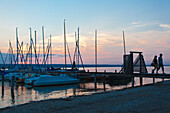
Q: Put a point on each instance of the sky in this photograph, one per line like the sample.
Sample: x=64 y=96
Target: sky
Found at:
x=145 y=23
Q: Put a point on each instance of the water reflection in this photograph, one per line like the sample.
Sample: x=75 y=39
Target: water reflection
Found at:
x=119 y=82
x=19 y=94
x=12 y=93
x=42 y=90
x=2 y=90
x=12 y=96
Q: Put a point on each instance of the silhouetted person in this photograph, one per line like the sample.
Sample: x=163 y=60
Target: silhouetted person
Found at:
x=160 y=61
x=155 y=64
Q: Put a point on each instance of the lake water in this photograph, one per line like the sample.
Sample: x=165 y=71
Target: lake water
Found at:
x=20 y=94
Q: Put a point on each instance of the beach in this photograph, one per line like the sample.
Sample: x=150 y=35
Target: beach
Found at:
x=148 y=98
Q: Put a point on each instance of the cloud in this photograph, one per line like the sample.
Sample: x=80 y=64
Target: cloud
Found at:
x=139 y=24
x=165 y=26
x=110 y=49
x=134 y=23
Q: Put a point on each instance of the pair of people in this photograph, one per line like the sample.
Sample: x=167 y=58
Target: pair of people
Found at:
x=158 y=64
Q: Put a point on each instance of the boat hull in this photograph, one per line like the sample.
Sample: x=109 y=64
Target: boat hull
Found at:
x=55 y=81
x=53 y=84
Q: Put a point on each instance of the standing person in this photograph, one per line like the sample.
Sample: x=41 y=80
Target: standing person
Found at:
x=160 y=61
x=155 y=64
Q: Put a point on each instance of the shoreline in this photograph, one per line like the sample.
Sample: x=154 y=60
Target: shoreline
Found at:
x=147 y=98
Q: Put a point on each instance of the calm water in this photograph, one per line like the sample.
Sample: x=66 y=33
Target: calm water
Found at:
x=20 y=94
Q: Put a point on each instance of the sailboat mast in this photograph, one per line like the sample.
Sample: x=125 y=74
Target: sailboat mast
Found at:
x=96 y=49
x=78 y=48
x=51 y=50
x=17 y=43
x=10 y=53
x=31 y=45
x=35 y=47
x=124 y=43
x=39 y=54
x=65 y=45
x=43 y=44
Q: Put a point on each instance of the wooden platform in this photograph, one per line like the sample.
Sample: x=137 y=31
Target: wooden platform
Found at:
x=148 y=75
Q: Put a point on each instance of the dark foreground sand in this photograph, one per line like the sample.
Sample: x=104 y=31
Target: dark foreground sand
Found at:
x=152 y=98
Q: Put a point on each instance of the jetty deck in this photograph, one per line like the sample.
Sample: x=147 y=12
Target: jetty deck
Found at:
x=148 y=75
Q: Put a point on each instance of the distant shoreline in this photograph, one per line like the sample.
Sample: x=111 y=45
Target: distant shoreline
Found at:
x=69 y=65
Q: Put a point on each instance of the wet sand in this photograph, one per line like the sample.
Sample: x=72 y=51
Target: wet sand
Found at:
x=151 y=98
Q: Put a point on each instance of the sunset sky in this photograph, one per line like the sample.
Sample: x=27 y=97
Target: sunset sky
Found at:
x=146 y=24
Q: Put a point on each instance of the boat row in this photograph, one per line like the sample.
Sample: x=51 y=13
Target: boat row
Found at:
x=38 y=80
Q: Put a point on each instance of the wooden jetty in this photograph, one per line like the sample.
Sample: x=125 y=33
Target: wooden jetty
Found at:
x=119 y=76
x=147 y=75
x=131 y=69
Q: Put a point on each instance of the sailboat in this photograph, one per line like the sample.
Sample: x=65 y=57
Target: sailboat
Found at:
x=49 y=80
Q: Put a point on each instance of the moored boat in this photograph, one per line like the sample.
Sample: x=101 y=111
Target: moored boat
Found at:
x=48 y=80
x=10 y=75
x=21 y=79
x=29 y=81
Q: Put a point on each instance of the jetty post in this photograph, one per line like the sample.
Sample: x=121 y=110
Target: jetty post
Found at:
x=104 y=81
x=12 y=82
x=141 y=78
x=133 y=81
x=153 y=80
x=2 y=86
x=95 y=83
x=131 y=68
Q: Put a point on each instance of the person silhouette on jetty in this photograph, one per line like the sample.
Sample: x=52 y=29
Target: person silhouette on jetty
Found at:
x=155 y=64
x=160 y=61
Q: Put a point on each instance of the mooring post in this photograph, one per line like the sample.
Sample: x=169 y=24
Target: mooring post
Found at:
x=141 y=78
x=115 y=71
x=104 y=81
x=74 y=92
x=2 y=86
x=141 y=81
x=153 y=80
x=12 y=96
x=87 y=70
x=131 y=63
x=12 y=82
x=3 y=80
x=95 y=82
x=133 y=81
x=163 y=79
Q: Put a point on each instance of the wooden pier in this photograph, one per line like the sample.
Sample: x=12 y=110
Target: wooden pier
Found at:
x=104 y=75
x=147 y=75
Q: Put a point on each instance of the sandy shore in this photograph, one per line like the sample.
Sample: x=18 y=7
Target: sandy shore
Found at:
x=152 y=98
